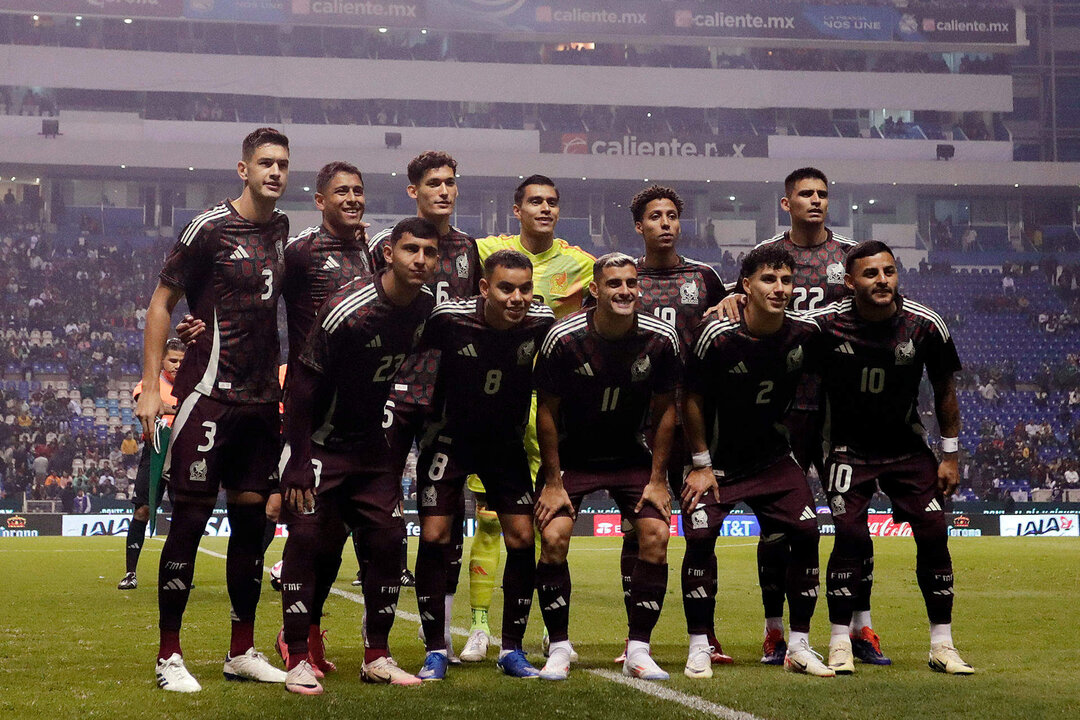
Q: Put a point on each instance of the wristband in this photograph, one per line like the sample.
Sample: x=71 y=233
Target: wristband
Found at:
x=701 y=459
x=950 y=445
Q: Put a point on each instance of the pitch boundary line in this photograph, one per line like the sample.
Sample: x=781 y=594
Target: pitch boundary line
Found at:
x=658 y=691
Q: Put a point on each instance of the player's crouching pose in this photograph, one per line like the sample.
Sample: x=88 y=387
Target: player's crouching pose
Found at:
x=741 y=378
x=487 y=346
x=871 y=356
x=598 y=373
x=337 y=467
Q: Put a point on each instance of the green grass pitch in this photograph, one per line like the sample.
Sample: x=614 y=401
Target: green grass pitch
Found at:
x=72 y=646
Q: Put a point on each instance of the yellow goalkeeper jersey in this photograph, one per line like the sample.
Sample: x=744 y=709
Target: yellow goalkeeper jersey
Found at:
x=561 y=274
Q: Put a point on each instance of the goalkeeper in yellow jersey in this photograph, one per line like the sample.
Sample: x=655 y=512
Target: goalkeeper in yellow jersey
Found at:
x=561 y=275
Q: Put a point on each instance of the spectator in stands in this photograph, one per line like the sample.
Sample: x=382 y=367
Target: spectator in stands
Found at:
x=130 y=450
x=989 y=392
x=81 y=503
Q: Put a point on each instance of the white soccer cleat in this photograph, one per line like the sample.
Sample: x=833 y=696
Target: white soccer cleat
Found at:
x=546 y=645
x=384 y=670
x=172 y=675
x=944 y=658
x=301 y=680
x=698 y=663
x=476 y=647
x=801 y=658
x=253 y=666
x=841 y=661
x=639 y=664
x=557 y=666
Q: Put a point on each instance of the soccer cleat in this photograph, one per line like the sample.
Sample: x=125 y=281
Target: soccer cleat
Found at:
x=357 y=582
x=407 y=578
x=944 y=658
x=840 y=658
x=275 y=575
x=546 y=645
x=476 y=646
x=717 y=655
x=515 y=665
x=641 y=665
x=866 y=647
x=557 y=666
x=317 y=655
x=699 y=663
x=385 y=670
x=130 y=582
x=303 y=680
x=172 y=675
x=773 y=648
x=434 y=667
x=253 y=666
x=801 y=658
x=622 y=656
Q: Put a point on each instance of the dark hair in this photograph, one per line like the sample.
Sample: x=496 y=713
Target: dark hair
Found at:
x=507 y=258
x=262 y=136
x=654 y=192
x=771 y=255
x=418 y=227
x=429 y=160
x=328 y=171
x=610 y=260
x=802 y=174
x=174 y=345
x=865 y=249
x=519 y=193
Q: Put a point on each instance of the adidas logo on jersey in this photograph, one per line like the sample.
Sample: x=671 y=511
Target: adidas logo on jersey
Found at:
x=845 y=349
x=934 y=506
x=739 y=369
x=585 y=370
x=239 y=254
x=297 y=608
x=808 y=514
x=331 y=264
x=376 y=342
x=467 y=351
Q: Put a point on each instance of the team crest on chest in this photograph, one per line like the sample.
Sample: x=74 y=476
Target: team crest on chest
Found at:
x=688 y=293
x=280 y=248
x=834 y=274
x=795 y=359
x=905 y=353
x=641 y=368
x=525 y=352
x=462 y=263
x=197 y=471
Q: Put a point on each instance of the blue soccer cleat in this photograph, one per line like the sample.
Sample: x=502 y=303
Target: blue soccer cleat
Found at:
x=866 y=647
x=515 y=665
x=434 y=667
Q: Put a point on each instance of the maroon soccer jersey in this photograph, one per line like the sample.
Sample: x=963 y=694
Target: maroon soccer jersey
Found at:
x=231 y=271
x=819 y=270
x=456 y=276
x=748 y=383
x=316 y=265
x=679 y=295
x=357 y=345
x=871 y=373
x=484 y=383
x=605 y=387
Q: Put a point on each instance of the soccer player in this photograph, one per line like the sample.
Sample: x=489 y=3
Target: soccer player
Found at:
x=336 y=458
x=229 y=263
x=871 y=356
x=142 y=498
x=599 y=374
x=487 y=345
x=741 y=379
x=433 y=184
x=819 y=280
x=678 y=291
x=561 y=276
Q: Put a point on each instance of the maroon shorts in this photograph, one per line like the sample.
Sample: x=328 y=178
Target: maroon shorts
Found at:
x=446 y=463
x=404 y=424
x=778 y=495
x=624 y=486
x=911 y=484
x=347 y=484
x=214 y=445
x=804 y=434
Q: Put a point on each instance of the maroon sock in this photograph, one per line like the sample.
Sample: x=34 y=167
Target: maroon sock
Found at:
x=373 y=654
x=169 y=644
x=243 y=637
x=646 y=598
x=294 y=660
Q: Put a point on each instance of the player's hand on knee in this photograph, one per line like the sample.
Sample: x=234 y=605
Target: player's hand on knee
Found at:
x=551 y=502
x=657 y=495
x=189 y=328
x=697 y=484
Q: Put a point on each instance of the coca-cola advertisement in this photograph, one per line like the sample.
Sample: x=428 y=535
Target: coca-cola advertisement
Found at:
x=883 y=526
